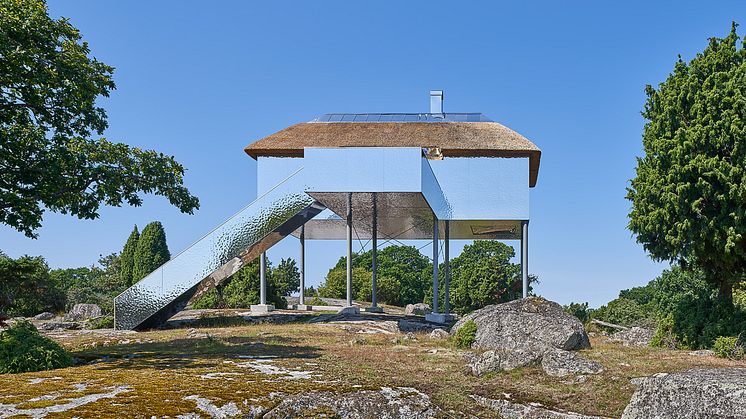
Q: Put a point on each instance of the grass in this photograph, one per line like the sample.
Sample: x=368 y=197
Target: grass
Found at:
x=163 y=367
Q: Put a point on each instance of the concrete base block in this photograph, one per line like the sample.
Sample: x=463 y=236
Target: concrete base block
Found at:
x=441 y=318
x=262 y=308
x=349 y=310
x=302 y=307
x=377 y=309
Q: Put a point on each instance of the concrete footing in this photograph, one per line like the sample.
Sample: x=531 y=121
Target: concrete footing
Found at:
x=349 y=310
x=377 y=309
x=262 y=308
x=441 y=318
x=302 y=307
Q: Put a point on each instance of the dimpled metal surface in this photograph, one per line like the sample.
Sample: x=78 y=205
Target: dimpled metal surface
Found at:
x=251 y=231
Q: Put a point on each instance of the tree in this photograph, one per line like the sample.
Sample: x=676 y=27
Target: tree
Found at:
x=127 y=259
x=690 y=186
x=335 y=284
x=286 y=277
x=481 y=275
x=49 y=87
x=98 y=284
x=242 y=289
x=403 y=263
x=152 y=251
x=26 y=288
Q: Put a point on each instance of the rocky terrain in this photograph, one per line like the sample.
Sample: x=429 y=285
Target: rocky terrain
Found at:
x=288 y=365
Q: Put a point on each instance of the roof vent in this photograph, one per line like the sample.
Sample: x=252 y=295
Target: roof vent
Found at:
x=436 y=103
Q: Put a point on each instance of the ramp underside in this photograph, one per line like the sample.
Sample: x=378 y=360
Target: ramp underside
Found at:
x=216 y=256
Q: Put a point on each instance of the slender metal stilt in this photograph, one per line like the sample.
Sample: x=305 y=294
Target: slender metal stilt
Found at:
x=349 y=250
x=374 y=255
x=435 y=264
x=263 y=278
x=302 y=267
x=524 y=257
x=447 y=268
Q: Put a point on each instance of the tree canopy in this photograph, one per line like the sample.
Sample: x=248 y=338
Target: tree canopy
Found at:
x=152 y=251
x=127 y=258
x=690 y=186
x=49 y=87
x=481 y=275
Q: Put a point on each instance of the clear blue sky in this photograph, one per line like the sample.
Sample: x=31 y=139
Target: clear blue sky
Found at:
x=200 y=80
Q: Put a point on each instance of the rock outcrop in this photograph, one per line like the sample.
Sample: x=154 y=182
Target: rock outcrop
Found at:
x=523 y=332
x=697 y=393
x=81 y=312
x=439 y=334
x=510 y=410
x=634 y=336
x=559 y=363
x=419 y=309
x=387 y=403
x=44 y=316
x=529 y=322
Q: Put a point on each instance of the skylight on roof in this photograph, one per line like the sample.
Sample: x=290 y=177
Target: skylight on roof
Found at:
x=402 y=117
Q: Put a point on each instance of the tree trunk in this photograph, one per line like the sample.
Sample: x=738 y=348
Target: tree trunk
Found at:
x=726 y=291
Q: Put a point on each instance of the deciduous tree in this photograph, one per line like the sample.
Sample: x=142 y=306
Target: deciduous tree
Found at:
x=49 y=160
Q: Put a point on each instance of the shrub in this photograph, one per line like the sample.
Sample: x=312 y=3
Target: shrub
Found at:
x=26 y=287
x=210 y=299
x=23 y=349
x=579 y=310
x=466 y=335
x=316 y=301
x=335 y=285
x=103 y=322
x=625 y=312
x=729 y=347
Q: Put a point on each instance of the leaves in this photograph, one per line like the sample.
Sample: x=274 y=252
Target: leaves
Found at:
x=48 y=91
x=689 y=190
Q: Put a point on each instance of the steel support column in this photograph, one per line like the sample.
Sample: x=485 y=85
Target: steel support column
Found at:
x=302 y=298
x=263 y=278
x=374 y=254
x=524 y=257
x=447 y=268
x=435 y=264
x=349 y=249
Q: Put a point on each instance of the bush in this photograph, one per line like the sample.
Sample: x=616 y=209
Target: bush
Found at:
x=625 y=312
x=210 y=299
x=241 y=290
x=729 y=347
x=481 y=275
x=466 y=335
x=26 y=287
x=103 y=322
x=579 y=310
x=404 y=263
x=23 y=349
x=335 y=285
x=316 y=301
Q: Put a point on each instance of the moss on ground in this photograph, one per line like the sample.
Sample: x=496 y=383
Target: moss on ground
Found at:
x=162 y=368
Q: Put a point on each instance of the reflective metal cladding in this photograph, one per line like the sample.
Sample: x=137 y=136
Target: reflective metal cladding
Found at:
x=217 y=255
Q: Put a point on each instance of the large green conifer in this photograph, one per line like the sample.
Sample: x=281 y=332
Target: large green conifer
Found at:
x=127 y=259
x=152 y=251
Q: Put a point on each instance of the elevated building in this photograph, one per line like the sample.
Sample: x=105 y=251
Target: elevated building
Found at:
x=432 y=176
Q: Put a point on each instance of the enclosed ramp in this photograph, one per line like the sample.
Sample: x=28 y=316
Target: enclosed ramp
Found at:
x=257 y=227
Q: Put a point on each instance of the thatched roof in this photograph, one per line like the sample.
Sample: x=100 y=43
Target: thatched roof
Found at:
x=455 y=139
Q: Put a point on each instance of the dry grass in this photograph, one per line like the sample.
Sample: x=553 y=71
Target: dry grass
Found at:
x=170 y=365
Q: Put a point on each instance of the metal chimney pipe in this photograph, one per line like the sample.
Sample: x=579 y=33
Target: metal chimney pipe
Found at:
x=436 y=102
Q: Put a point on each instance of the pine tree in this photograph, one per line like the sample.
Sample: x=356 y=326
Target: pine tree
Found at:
x=152 y=251
x=127 y=259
